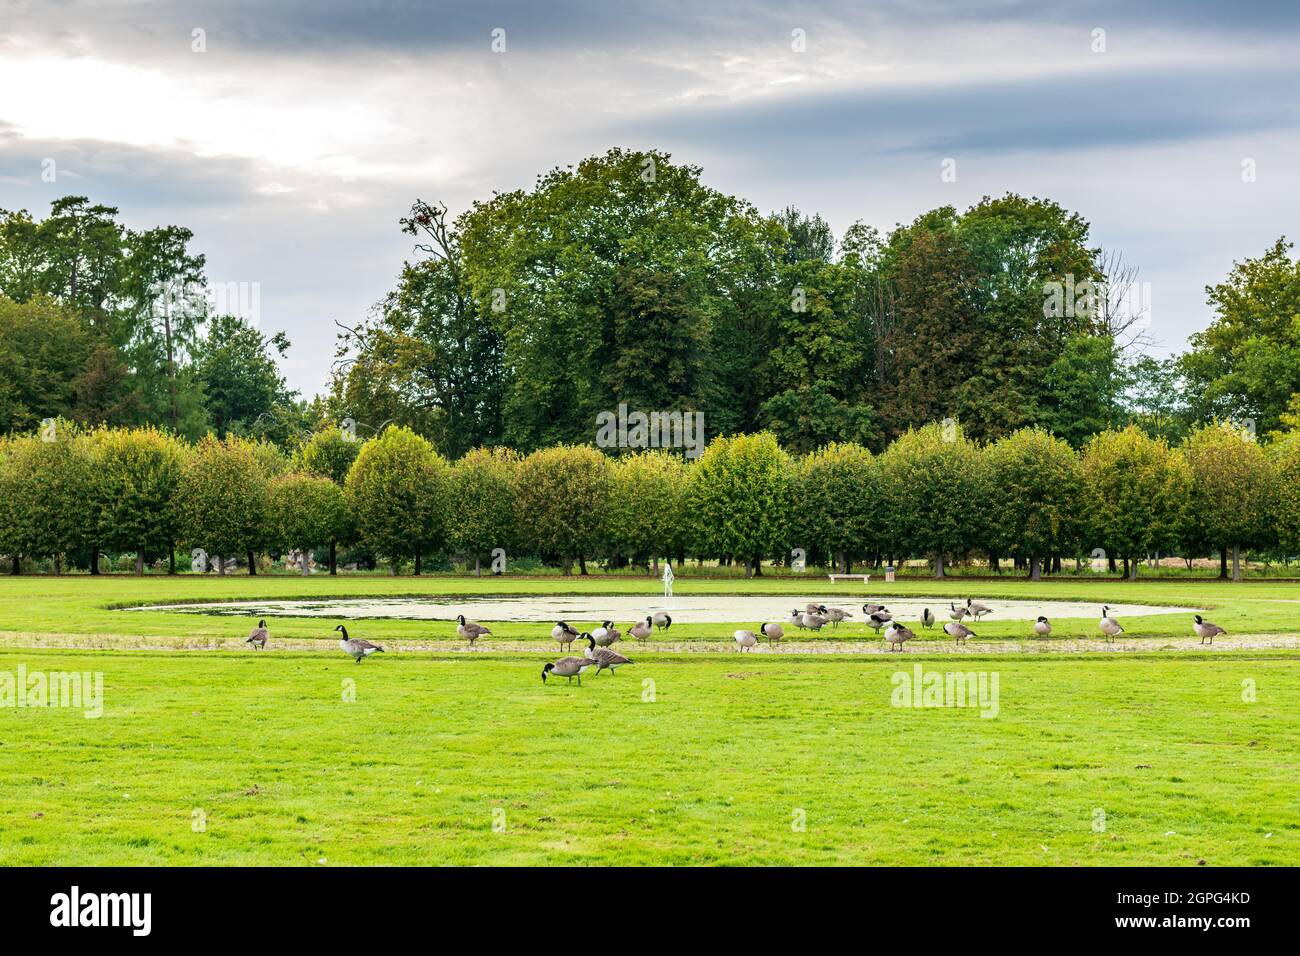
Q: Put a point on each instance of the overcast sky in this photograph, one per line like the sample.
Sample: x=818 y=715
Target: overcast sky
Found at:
x=295 y=140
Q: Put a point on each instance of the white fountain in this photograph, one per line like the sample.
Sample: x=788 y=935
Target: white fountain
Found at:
x=668 y=586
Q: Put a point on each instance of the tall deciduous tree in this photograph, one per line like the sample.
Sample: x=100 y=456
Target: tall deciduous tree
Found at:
x=46 y=486
x=646 y=516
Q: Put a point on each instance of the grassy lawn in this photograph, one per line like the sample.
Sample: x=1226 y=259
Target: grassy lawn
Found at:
x=229 y=757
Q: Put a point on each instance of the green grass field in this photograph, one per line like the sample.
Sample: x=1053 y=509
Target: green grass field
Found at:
x=1149 y=755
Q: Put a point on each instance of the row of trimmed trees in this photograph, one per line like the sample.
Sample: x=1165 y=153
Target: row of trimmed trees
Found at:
x=67 y=494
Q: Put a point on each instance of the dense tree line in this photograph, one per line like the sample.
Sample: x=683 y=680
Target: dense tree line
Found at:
x=627 y=280
x=68 y=493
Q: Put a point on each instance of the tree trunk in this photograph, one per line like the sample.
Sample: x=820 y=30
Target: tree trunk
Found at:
x=1131 y=568
x=568 y=567
x=94 y=559
x=938 y=564
x=18 y=566
x=1236 y=562
x=1110 y=565
x=252 y=564
x=478 y=566
x=1056 y=564
x=306 y=562
x=139 y=564
x=994 y=564
x=749 y=570
x=334 y=558
x=221 y=566
x=171 y=560
x=1223 y=564
x=58 y=566
x=1035 y=569
x=758 y=567
x=419 y=566
x=582 y=568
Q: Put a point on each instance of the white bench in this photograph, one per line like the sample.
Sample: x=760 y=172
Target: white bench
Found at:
x=866 y=578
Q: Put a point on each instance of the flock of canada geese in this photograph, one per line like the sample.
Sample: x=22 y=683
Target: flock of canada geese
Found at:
x=813 y=617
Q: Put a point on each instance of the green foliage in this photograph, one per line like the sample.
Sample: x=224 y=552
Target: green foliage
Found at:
x=307 y=511
x=482 y=501
x=1035 y=491
x=1246 y=365
x=934 y=493
x=137 y=475
x=562 y=496
x=1285 y=456
x=236 y=368
x=328 y=454
x=397 y=490
x=738 y=498
x=1232 y=488
x=46 y=485
x=646 y=516
x=222 y=498
x=1135 y=494
x=837 y=501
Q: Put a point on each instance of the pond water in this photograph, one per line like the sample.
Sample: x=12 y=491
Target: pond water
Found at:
x=683 y=608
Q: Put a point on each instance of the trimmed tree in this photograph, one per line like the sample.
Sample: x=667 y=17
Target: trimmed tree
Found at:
x=646 y=518
x=738 y=499
x=329 y=453
x=1135 y=492
x=222 y=499
x=47 y=487
x=1285 y=513
x=562 y=494
x=933 y=493
x=1035 y=487
x=137 y=475
x=837 y=499
x=482 y=502
x=1232 y=490
x=397 y=490
x=307 y=512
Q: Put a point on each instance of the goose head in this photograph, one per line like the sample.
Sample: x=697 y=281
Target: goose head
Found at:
x=591 y=641
x=460 y=619
x=344 y=630
x=546 y=670
x=261 y=623
x=821 y=608
x=1041 y=619
x=607 y=624
x=1198 y=619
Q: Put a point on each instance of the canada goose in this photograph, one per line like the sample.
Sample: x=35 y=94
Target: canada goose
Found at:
x=1109 y=626
x=835 y=615
x=814 y=621
x=662 y=620
x=468 y=630
x=870 y=609
x=927 y=618
x=355 y=646
x=606 y=634
x=896 y=635
x=773 y=632
x=1042 y=627
x=258 y=635
x=977 y=609
x=879 y=619
x=814 y=609
x=796 y=619
x=959 y=631
x=746 y=639
x=955 y=612
x=564 y=633
x=641 y=629
x=569 y=667
x=1204 y=629
x=603 y=657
